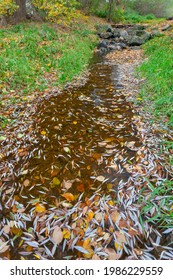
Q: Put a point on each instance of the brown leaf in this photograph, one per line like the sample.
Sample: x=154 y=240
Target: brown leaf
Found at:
x=114 y=216
x=57 y=236
x=120 y=237
x=7 y=229
x=112 y=255
x=69 y=196
x=67 y=184
x=98 y=216
x=100 y=178
x=26 y=183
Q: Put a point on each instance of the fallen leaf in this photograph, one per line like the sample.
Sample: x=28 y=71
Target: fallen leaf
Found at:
x=43 y=132
x=100 y=178
x=66 y=233
x=69 y=196
x=67 y=184
x=66 y=149
x=7 y=229
x=114 y=216
x=56 y=181
x=40 y=208
x=57 y=236
x=95 y=257
x=98 y=216
x=112 y=255
x=120 y=237
x=90 y=216
x=2 y=138
x=26 y=183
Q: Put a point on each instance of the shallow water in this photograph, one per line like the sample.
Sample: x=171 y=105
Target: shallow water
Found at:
x=81 y=133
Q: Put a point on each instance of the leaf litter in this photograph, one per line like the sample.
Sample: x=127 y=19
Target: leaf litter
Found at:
x=70 y=185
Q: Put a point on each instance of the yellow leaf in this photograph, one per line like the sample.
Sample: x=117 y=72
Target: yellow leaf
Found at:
x=66 y=233
x=43 y=132
x=37 y=256
x=90 y=216
x=56 y=181
x=118 y=246
x=75 y=122
x=40 y=208
x=68 y=196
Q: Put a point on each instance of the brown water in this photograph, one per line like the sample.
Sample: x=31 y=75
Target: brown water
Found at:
x=81 y=133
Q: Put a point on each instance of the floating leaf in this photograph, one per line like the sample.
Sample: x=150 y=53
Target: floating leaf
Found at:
x=26 y=183
x=66 y=149
x=43 y=132
x=57 y=236
x=67 y=184
x=40 y=208
x=100 y=178
x=56 y=181
x=68 y=196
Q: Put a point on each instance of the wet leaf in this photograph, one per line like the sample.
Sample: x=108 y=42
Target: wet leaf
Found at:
x=67 y=149
x=67 y=184
x=100 y=178
x=68 y=196
x=40 y=208
x=56 y=181
x=26 y=183
x=57 y=236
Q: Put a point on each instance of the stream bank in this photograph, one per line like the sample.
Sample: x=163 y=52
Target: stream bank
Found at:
x=77 y=195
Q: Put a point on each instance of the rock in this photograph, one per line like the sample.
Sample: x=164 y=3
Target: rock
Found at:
x=169 y=18
x=156 y=33
x=103 y=28
x=107 y=35
x=135 y=41
x=124 y=34
x=110 y=30
x=166 y=27
x=102 y=44
x=116 y=33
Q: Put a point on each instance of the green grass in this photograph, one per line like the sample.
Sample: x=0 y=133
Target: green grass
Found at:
x=157 y=91
x=156 y=206
x=34 y=57
x=134 y=17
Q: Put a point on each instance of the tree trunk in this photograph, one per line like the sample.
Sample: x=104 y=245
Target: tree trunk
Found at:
x=20 y=13
x=110 y=9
